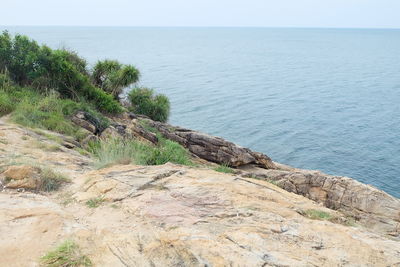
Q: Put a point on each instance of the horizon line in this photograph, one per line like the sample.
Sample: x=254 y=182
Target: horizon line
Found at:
x=269 y=27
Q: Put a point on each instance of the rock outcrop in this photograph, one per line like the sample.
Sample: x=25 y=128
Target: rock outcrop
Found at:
x=369 y=205
x=211 y=148
x=207 y=147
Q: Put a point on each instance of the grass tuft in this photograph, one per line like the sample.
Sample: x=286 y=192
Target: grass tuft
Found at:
x=68 y=254
x=224 y=169
x=51 y=180
x=94 y=202
x=318 y=215
x=120 y=151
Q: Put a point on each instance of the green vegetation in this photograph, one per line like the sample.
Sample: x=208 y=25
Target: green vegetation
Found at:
x=94 y=202
x=224 y=169
x=39 y=67
x=48 y=112
x=113 y=77
x=119 y=151
x=143 y=100
x=50 y=180
x=68 y=254
x=318 y=215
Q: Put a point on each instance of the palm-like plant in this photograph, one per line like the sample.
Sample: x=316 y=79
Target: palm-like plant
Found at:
x=113 y=77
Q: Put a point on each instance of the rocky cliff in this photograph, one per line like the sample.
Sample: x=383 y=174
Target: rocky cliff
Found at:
x=264 y=214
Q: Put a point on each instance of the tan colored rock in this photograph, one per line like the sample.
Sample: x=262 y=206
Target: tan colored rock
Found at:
x=110 y=133
x=84 y=124
x=21 y=172
x=372 y=206
x=172 y=215
x=23 y=176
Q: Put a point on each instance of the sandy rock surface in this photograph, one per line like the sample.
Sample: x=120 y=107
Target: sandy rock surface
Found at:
x=171 y=215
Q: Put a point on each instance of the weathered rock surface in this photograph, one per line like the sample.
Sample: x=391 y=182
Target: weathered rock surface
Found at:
x=373 y=207
x=172 y=215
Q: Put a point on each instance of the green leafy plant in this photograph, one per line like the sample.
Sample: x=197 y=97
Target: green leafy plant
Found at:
x=143 y=101
x=113 y=77
x=42 y=68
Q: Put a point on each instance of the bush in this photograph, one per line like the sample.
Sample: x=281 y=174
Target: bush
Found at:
x=144 y=102
x=44 y=69
x=119 y=151
x=113 y=77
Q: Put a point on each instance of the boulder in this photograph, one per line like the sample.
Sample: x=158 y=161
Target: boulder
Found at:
x=26 y=177
x=20 y=172
x=84 y=124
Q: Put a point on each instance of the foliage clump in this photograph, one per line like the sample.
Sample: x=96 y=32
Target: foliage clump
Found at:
x=29 y=64
x=113 y=77
x=145 y=102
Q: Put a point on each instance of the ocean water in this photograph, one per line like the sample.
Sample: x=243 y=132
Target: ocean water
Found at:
x=326 y=99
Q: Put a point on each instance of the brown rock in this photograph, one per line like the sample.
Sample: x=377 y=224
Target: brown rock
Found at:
x=21 y=177
x=212 y=148
x=21 y=172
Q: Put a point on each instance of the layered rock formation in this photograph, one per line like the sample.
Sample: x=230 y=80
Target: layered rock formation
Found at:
x=371 y=206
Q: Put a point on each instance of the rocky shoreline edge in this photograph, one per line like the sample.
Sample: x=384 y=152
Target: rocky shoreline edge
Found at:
x=370 y=206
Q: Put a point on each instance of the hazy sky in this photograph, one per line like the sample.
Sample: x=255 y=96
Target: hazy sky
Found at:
x=270 y=13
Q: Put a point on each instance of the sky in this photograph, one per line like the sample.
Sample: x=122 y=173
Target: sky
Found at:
x=225 y=13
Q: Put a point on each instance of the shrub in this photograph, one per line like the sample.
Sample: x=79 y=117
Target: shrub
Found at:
x=144 y=102
x=113 y=77
x=68 y=254
x=44 y=69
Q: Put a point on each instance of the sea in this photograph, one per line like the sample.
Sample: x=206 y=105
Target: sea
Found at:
x=323 y=99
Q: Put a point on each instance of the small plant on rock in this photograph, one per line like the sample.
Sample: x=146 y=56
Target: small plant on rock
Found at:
x=68 y=254
x=224 y=169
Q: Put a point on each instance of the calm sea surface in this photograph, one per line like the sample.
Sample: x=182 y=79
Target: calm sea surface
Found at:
x=326 y=99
